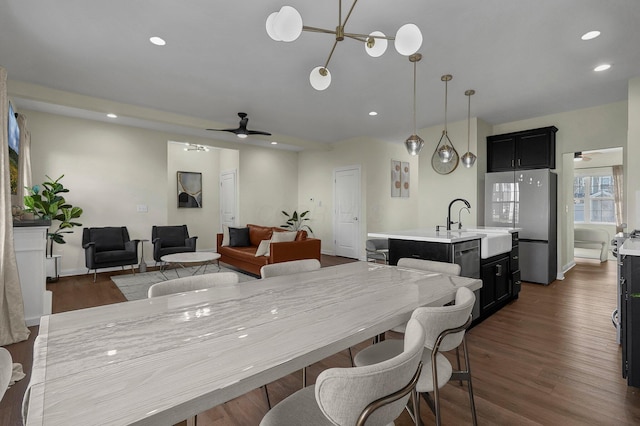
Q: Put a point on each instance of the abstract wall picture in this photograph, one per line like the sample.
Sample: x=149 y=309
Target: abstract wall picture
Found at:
x=400 y=178
x=190 y=189
x=396 y=185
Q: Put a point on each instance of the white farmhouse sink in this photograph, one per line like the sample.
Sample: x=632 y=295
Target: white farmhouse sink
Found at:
x=493 y=244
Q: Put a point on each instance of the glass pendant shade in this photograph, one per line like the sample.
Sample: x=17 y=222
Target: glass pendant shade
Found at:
x=286 y=25
x=445 y=153
x=468 y=159
x=378 y=45
x=414 y=144
x=408 y=39
x=320 y=78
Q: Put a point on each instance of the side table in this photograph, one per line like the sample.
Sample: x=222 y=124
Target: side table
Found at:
x=142 y=267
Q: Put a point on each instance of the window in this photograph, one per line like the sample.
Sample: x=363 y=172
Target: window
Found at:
x=593 y=196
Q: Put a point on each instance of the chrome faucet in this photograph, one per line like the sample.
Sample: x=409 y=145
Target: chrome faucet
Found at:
x=449 y=221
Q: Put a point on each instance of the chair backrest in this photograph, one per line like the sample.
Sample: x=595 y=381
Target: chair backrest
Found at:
x=436 y=319
x=171 y=236
x=430 y=265
x=6 y=369
x=288 y=268
x=107 y=238
x=196 y=282
x=375 y=244
x=343 y=393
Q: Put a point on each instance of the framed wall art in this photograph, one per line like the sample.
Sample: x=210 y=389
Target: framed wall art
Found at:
x=400 y=178
x=190 y=189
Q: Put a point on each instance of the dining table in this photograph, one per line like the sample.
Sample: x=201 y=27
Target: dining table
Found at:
x=161 y=360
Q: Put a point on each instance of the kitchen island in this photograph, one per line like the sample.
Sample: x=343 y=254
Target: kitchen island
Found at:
x=488 y=253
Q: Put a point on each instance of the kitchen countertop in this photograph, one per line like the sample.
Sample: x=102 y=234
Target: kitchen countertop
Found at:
x=429 y=235
x=493 y=229
x=630 y=247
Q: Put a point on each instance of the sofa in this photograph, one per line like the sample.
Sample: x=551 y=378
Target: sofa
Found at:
x=241 y=253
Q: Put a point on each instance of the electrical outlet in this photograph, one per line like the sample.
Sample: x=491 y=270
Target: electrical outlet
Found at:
x=142 y=208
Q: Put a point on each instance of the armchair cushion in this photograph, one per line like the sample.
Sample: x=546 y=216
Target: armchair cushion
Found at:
x=107 y=239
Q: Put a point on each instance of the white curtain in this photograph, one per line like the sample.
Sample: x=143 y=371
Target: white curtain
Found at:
x=618 y=194
x=24 y=176
x=12 y=325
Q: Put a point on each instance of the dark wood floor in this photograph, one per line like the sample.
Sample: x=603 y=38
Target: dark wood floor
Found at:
x=549 y=358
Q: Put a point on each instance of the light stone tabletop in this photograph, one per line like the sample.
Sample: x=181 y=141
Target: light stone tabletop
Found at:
x=158 y=361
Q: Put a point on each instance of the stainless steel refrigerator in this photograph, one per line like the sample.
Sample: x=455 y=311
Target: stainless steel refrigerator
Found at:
x=527 y=199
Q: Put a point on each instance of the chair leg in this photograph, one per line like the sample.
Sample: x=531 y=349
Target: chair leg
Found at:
x=351 y=357
x=95 y=273
x=415 y=403
x=436 y=390
x=469 y=385
x=132 y=270
x=192 y=421
x=266 y=395
x=304 y=377
x=458 y=360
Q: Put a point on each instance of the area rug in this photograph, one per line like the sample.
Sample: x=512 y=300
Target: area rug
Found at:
x=135 y=287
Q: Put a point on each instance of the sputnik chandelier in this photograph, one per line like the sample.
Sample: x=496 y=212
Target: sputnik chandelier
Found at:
x=286 y=25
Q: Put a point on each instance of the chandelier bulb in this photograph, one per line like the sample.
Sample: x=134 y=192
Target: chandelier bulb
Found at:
x=320 y=78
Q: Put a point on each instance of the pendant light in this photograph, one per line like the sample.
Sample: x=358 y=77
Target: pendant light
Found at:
x=469 y=158
x=446 y=151
x=414 y=143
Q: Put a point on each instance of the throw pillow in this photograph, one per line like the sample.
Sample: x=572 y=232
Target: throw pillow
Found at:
x=239 y=237
x=225 y=235
x=281 y=237
x=263 y=248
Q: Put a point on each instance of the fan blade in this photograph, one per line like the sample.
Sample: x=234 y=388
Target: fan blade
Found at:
x=224 y=130
x=258 y=132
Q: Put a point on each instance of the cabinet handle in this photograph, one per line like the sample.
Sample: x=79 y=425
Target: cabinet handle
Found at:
x=515 y=257
x=498 y=270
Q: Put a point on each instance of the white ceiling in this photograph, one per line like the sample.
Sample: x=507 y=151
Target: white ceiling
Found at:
x=524 y=58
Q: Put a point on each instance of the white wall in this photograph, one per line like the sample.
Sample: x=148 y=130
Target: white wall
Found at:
x=632 y=153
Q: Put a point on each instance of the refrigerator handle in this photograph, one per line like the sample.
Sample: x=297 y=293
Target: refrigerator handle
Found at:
x=519 y=164
x=512 y=163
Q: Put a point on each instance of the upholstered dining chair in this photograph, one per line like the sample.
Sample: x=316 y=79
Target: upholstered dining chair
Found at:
x=377 y=249
x=196 y=282
x=374 y=394
x=6 y=369
x=107 y=247
x=445 y=328
x=430 y=265
x=170 y=240
x=37 y=372
x=288 y=268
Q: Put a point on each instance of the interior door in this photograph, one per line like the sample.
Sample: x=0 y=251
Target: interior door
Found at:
x=346 y=229
x=228 y=199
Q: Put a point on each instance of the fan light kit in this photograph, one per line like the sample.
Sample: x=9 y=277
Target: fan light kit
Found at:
x=242 y=132
x=286 y=25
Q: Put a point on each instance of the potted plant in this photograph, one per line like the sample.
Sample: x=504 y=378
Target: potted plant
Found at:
x=46 y=202
x=296 y=221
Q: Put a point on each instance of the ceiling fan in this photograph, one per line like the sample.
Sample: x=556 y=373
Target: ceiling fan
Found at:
x=242 y=131
x=584 y=156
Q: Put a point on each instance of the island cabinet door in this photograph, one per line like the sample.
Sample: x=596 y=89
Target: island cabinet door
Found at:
x=496 y=280
x=418 y=250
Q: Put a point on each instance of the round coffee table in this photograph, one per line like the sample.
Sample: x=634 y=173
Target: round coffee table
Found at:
x=190 y=257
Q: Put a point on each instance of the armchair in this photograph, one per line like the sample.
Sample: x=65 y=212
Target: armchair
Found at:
x=107 y=247
x=171 y=239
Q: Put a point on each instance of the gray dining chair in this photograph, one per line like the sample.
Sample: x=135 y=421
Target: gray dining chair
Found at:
x=377 y=249
x=37 y=372
x=6 y=369
x=430 y=265
x=375 y=394
x=196 y=282
x=445 y=328
x=288 y=268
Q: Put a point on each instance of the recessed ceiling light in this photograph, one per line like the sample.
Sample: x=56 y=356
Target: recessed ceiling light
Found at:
x=373 y=113
x=590 y=35
x=157 y=41
x=112 y=115
x=274 y=143
x=602 y=67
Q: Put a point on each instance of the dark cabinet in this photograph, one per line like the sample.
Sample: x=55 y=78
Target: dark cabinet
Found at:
x=526 y=150
x=514 y=265
x=496 y=283
x=630 y=318
x=464 y=253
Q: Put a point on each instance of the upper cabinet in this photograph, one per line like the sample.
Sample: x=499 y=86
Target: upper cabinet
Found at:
x=529 y=149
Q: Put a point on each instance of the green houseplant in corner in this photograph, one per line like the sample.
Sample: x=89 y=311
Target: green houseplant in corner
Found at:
x=46 y=201
x=296 y=222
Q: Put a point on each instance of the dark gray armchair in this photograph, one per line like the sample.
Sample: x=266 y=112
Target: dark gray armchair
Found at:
x=108 y=247
x=171 y=239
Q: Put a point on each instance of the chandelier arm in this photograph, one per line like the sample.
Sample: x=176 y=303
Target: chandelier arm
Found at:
x=367 y=36
x=358 y=37
x=317 y=30
x=348 y=14
x=335 y=43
